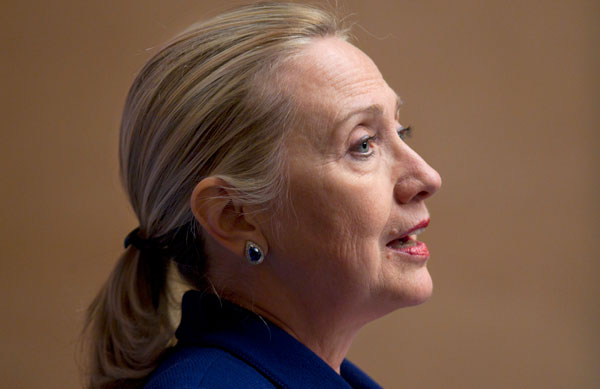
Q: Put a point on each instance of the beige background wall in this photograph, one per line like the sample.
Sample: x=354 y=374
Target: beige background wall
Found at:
x=504 y=97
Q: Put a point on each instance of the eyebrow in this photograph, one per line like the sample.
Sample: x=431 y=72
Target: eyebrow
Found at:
x=375 y=109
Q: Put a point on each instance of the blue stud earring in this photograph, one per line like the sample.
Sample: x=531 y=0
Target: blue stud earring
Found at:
x=254 y=253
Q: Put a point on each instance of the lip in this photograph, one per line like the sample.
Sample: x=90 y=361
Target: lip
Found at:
x=418 y=251
x=422 y=224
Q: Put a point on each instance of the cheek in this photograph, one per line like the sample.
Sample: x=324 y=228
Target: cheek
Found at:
x=341 y=217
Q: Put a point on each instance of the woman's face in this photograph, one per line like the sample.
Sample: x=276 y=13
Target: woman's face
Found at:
x=355 y=188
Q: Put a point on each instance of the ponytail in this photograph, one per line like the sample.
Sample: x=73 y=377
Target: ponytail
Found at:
x=127 y=322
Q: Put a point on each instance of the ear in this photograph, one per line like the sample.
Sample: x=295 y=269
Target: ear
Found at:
x=223 y=217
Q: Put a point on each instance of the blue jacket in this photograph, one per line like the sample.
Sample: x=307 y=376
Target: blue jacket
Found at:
x=221 y=345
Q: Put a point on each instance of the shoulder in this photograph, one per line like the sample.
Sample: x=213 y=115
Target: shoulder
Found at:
x=205 y=367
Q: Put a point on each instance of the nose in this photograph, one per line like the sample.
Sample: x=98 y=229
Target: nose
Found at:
x=417 y=180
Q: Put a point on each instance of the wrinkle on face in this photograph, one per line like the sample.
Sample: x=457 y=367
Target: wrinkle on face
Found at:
x=325 y=94
x=344 y=208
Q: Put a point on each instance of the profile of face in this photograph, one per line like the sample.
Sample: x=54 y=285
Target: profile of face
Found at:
x=357 y=190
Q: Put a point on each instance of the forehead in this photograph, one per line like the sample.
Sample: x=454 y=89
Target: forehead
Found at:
x=332 y=78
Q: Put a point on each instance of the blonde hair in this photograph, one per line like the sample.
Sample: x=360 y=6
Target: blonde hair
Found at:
x=208 y=104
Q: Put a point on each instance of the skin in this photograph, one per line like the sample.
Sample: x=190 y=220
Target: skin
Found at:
x=328 y=269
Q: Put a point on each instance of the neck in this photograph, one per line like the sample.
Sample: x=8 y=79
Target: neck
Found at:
x=325 y=328
x=329 y=341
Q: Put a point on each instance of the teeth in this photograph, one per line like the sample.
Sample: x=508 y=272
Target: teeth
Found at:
x=406 y=241
x=397 y=244
x=417 y=232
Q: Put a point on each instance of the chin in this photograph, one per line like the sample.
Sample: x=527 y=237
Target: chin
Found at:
x=419 y=293
x=411 y=291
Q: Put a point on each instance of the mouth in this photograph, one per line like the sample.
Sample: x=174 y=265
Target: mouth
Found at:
x=408 y=243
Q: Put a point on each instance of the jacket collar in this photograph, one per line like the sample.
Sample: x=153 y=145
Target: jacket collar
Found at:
x=207 y=320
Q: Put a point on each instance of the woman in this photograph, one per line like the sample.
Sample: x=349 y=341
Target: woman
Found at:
x=264 y=158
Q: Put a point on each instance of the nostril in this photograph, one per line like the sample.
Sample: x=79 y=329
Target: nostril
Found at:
x=422 y=195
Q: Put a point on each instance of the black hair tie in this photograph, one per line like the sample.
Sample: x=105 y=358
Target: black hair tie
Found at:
x=134 y=239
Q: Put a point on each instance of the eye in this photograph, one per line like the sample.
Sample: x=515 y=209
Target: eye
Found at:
x=363 y=147
x=405 y=132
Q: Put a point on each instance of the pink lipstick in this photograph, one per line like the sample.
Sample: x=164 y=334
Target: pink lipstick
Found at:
x=419 y=226
x=411 y=247
x=408 y=244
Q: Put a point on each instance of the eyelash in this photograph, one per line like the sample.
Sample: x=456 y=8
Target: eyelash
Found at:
x=403 y=133
x=368 y=140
